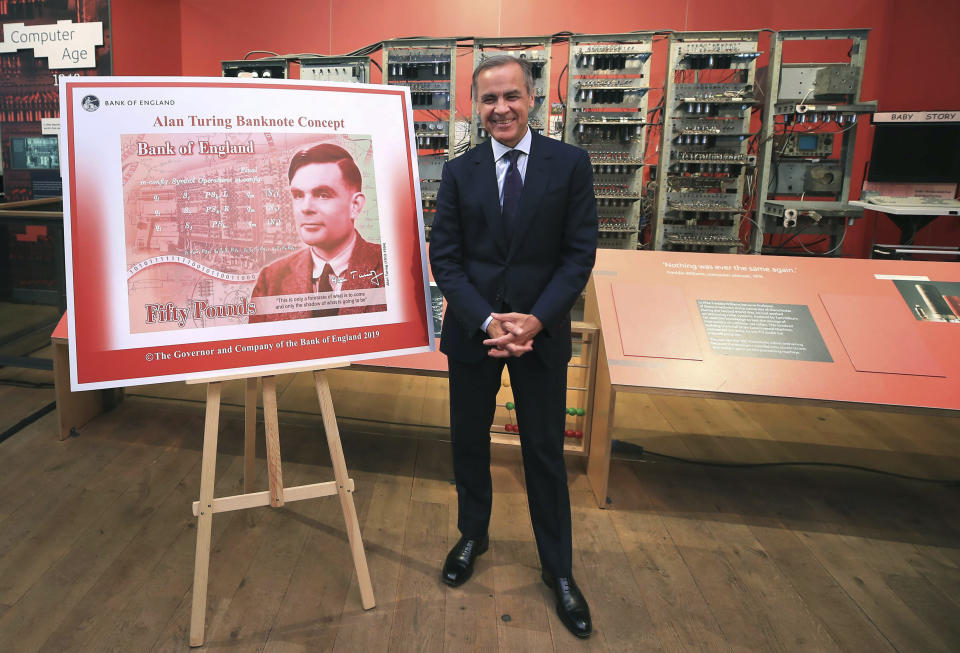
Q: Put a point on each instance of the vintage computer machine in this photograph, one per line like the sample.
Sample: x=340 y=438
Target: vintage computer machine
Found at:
x=810 y=117
x=705 y=160
x=347 y=68
x=608 y=79
x=429 y=68
x=265 y=68
x=535 y=50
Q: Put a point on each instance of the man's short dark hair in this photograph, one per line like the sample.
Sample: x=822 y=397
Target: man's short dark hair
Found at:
x=498 y=60
x=328 y=153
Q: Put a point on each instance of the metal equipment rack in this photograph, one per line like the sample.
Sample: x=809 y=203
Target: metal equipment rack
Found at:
x=704 y=144
x=336 y=68
x=606 y=108
x=810 y=117
x=429 y=68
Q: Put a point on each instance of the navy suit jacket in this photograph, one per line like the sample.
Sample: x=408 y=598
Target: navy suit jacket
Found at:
x=543 y=266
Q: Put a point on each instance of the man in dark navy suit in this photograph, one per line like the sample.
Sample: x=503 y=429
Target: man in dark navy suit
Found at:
x=512 y=246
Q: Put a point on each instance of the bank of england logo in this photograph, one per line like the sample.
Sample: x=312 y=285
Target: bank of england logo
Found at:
x=90 y=103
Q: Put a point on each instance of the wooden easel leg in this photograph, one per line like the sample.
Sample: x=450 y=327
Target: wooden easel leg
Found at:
x=208 y=467
x=272 y=431
x=346 y=495
x=249 y=434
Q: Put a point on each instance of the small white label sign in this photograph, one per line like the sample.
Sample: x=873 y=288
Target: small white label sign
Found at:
x=65 y=44
x=917 y=116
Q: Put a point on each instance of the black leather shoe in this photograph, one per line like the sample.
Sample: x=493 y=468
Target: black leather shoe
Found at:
x=572 y=608
x=458 y=566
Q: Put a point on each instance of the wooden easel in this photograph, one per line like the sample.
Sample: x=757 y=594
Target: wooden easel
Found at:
x=277 y=495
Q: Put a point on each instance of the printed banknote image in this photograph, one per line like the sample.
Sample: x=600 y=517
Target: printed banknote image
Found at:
x=224 y=229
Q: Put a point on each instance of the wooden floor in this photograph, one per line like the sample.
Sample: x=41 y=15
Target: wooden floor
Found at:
x=97 y=538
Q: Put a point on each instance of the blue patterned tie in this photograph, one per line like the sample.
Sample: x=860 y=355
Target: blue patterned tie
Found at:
x=512 y=186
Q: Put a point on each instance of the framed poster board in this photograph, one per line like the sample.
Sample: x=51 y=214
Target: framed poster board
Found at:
x=233 y=226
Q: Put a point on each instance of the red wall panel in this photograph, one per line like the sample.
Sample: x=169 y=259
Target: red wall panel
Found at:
x=148 y=41
x=214 y=31
x=911 y=57
x=355 y=24
x=588 y=16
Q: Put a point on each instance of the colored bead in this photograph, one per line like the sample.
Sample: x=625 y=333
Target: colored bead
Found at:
x=510 y=405
x=578 y=434
x=581 y=412
x=571 y=411
x=568 y=433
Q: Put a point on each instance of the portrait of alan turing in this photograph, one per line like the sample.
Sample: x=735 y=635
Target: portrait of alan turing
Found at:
x=327 y=197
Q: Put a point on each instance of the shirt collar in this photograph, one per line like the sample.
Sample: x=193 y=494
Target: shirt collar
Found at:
x=339 y=263
x=499 y=149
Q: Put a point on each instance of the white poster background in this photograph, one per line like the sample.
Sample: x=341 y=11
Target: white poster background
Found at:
x=125 y=108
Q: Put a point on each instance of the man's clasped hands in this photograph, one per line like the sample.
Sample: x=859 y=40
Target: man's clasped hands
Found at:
x=511 y=334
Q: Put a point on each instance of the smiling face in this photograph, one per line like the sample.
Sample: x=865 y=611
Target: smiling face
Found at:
x=324 y=207
x=504 y=102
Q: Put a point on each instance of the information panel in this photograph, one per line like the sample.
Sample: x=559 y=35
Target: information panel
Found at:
x=762 y=330
x=229 y=226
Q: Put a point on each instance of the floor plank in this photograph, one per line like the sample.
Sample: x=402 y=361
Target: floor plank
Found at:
x=315 y=598
x=76 y=508
x=20 y=403
x=149 y=606
x=861 y=574
x=936 y=609
x=231 y=559
x=599 y=562
x=781 y=613
x=383 y=531
x=682 y=619
x=247 y=619
x=745 y=593
x=822 y=595
x=521 y=600
x=470 y=611
x=421 y=597
x=111 y=583
x=521 y=639
x=65 y=565
x=33 y=458
x=814 y=586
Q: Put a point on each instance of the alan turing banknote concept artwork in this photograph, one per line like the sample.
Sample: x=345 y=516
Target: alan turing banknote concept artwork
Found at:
x=238 y=226
x=199 y=229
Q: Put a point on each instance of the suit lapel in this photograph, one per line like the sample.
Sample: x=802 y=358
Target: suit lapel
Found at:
x=489 y=191
x=534 y=184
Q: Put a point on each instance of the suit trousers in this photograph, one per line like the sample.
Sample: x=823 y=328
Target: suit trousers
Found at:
x=540 y=398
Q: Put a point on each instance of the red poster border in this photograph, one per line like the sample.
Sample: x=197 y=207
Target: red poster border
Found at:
x=96 y=367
